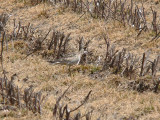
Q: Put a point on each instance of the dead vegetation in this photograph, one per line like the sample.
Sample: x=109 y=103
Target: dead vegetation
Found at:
x=125 y=12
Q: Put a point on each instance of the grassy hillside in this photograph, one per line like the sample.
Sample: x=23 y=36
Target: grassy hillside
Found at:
x=116 y=95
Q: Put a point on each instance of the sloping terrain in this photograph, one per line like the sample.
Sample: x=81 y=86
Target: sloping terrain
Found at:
x=107 y=100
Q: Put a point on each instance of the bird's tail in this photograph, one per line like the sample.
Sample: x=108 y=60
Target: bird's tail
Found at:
x=54 y=62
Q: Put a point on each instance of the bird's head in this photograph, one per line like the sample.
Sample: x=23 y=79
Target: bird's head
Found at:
x=82 y=51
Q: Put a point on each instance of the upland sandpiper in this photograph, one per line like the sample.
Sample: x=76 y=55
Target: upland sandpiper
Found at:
x=70 y=60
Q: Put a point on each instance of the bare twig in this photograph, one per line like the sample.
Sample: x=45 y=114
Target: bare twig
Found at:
x=83 y=102
x=1 y=57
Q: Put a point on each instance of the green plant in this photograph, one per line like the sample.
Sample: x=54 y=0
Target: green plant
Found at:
x=94 y=69
x=43 y=13
x=148 y=109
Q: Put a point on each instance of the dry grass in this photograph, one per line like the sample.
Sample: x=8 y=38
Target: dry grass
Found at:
x=106 y=99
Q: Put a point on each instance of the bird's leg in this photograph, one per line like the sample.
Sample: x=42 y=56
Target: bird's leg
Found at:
x=63 y=69
x=69 y=70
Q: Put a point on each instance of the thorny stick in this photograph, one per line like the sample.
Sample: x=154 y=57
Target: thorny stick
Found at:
x=1 y=57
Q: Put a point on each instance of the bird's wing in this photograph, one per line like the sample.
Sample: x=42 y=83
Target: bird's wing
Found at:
x=66 y=60
x=60 y=61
